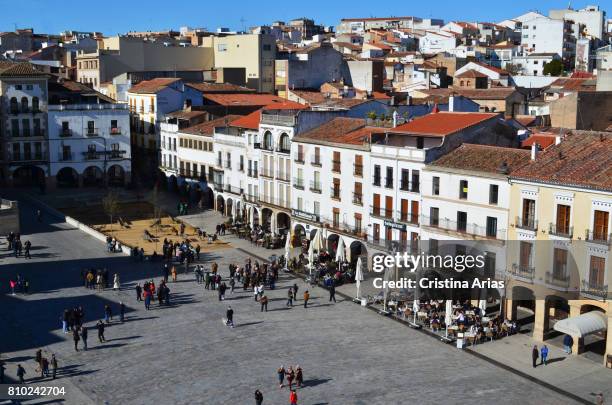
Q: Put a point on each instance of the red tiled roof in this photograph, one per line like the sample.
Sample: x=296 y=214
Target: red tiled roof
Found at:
x=569 y=84
x=340 y=130
x=484 y=158
x=582 y=75
x=13 y=69
x=208 y=128
x=493 y=68
x=543 y=139
x=152 y=86
x=251 y=121
x=471 y=74
x=309 y=96
x=443 y=123
x=582 y=159
x=239 y=99
x=378 y=19
x=206 y=87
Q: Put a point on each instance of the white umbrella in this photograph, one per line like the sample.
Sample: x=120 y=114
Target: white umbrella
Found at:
x=340 y=251
x=415 y=307
x=386 y=278
x=448 y=318
x=273 y=224
x=288 y=247
x=311 y=250
x=318 y=241
x=482 y=304
x=358 y=276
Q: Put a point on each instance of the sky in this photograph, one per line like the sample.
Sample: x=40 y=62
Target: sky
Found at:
x=119 y=16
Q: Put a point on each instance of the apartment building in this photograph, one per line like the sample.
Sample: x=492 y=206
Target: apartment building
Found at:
x=545 y=35
x=361 y=25
x=24 y=154
x=560 y=213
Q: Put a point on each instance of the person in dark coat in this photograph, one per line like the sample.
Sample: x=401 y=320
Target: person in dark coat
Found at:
x=100 y=326
x=138 y=292
x=258 y=397
x=76 y=338
x=84 y=337
x=534 y=356
x=332 y=292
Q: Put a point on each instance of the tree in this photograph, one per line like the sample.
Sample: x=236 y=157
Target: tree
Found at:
x=110 y=203
x=372 y=115
x=513 y=69
x=553 y=68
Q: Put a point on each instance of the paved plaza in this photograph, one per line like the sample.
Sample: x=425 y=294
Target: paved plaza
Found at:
x=183 y=354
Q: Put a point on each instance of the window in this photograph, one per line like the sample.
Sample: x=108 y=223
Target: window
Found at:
x=435 y=185
x=433 y=246
x=405 y=180
x=316 y=208
x=563 y=219
x=376 y=179
x=420 y=142
x=415 y=181
x=91 y=130
x=16 y=152
x=600 y=225
x=389 y=178
x=358 y=165
x=241 y=166
x=14 y=106
x=336 y=189
x=525 y=249
x=35 y=104
x=268 y=140
x=25 y=123
x=493 y=194
x=358 y=194
x=336 y=162
x=24 y=104
x=528 y=215
x=434 y=216
x=461 y=221
x=284 y=146
x=491 y=227
x=597 y=270
x=376 y=232
x=388 y=207
x=463 y=189
x=221 y=47
x=358 y=223
x=37 y=131
x=559 y=264
x=336 y=217
x=317 y=156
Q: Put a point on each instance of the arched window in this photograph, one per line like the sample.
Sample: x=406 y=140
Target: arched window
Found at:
x=461 y=83
x=35 y=104
x=268 y=140
x=24 y=104
x=284 y=144
x=14 y=105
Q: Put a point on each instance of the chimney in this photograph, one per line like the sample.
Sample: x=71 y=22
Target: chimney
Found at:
x=451 y=103
x=394 y=118
x=557 y=140
x=534 y=151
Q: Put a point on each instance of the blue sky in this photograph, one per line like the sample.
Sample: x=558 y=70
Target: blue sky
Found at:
x=116 y=16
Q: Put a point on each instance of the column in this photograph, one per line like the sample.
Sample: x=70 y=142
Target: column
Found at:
x=541 y=316
x=578 y=345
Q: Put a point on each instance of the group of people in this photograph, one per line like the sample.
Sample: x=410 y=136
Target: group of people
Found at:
x=148 y=292
x=42 y=364
x=113 y=245
x=99 y=279
x=19 y=248
x=182 y=252
x=19 y=285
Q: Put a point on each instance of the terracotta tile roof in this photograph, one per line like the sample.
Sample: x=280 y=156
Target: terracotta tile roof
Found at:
x=251 y=121
x=220 y=88
x=380 y=45
x=470 y=74
x=582 y=75
x=339 y=103
x=239 y=99
x=484 y=158
x=498 y=93
x=340 y=130
x=152 y=86
x=309 y=96
x=208 y=128
x=493 y=68
x=352 y=47
x=443 y=123
x=12 y=69
x=582 y=159
x=186 y=115
x=526 y=120
x=544 y=139
x=569 y=84
x=378 y=19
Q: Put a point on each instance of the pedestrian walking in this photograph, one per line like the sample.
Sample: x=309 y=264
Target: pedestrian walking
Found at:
x=290 y=377
x=258 y=397
x=293 y=399
x=222 y=289
x=147 y=299
x=295 y=290
x=100 y=326
x=567 y=344
x=138 y=292
x=544 y=354
x=45 y=368
x=299 y=376
x=534 y=356
x=53 y=366
x=116 y=282
x=84 y=337
x=174 y=274
x=264 y=302
x=281 y=376
x=229 y=314
x=121 y=311
x=108 y=313
x=21 y=373
x=27 y=246
x=306 y=298
x=289 y=297
x=2 y=368
x=332 y=292
x=76 y=338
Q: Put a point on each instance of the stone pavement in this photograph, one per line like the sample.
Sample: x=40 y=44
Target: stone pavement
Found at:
x=185 y=355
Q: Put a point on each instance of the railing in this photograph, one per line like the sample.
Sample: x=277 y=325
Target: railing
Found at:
x=528 y=223
x=256 y=145
x=36 y=157
x=522 y=270
x=410 y=186
x=594 y=290
x=252 y=173
x=463 y=228
x=358 y=170
x=267 y=173
x=315 y=187
x=335 y=193
x=219 y=163
x=268 y=148
x=228 y=164
x=91 y=155
x=283 y=150
x=381 y=212
x=344 y=227
x=283 y=176
x=562 y=231
x=115 y=131
x=357 y=198
x=218 y=187
x=598 y=237
x=274 y=201
x=252 y=198
x=405 y=217
x=91 y=131
x=336 y=166
x=65 y=132
x=117 y=154
x=315 y=161
x=376 y=181
x=558 y=280
x=299 y=158
x=389 y=182
x=233 y=189
x=298 y=183
x=65 y=156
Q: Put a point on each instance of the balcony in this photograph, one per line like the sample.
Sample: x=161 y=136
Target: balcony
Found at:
x=252 y=173
x=267 y=174
x=376 y=181
x=252 y=198
x=358 y=170
x=227 y=164
x=598 y=237
x=233 y=189
x=218 y=187
x=336 y=166
x=65 y=132
x=461 y=228
x=315 y=187
x=335 y=193
x=299 y=158
x=410 y=186
x=529 y=224
x=561 y=231
x=594 y=290
x=412 y=219
x=91 y=155
x=558 y=279
x=266 y=147
x=283 y=150
x=358 y=198
x=115 y=131
x=344 y=227
x=278 y=202
x=522 y=271
x=91 y=131
x=65 y=157
x=381 y=212
x=389 y=182
x=257 y=145
x=282 y=176
x=298 y=183
x=316 y=161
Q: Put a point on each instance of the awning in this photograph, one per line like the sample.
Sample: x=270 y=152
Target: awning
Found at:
x=583 y=325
